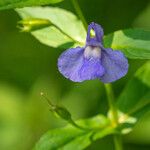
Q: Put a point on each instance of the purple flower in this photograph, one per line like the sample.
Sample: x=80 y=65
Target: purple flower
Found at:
x=93 y=61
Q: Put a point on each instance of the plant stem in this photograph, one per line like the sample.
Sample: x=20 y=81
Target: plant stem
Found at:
x=118 y=142
x=109 y=91
x=110 y=97
x=113 y=111
x=79 y=13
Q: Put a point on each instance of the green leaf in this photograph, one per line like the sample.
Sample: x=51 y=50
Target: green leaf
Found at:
x=66 y=30
x=135 y=98
x=135 y=43
x=134 y=101
x=10 y=4
x=71 y=138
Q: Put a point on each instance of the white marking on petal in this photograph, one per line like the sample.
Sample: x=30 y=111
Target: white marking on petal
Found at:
x=96 y=52
x=87 y=51
x=92 y=52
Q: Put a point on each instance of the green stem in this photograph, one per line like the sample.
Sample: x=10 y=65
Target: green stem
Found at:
x=77 y=126
x=113 y=111
x=110 y=97
x=118 y=142
x=79 y=13
x=109 y=91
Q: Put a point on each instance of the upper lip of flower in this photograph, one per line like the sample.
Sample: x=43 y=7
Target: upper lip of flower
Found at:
x=93 y=61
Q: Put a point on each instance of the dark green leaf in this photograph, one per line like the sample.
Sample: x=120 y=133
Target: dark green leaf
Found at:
x=9 y=4
x=135 y=98
x=71 y=138
x=134 y=101
x=66 y=28
x=135 y=43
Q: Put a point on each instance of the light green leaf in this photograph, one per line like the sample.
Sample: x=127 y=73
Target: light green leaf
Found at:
x=135 y=98
x=10 y=4
x=71 y=138
x=135 y=43
x=53 y=37
x=66 y=29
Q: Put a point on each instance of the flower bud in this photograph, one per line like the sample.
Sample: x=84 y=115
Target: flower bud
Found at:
x=62 y=113
x=29 y=25
x=58 y=110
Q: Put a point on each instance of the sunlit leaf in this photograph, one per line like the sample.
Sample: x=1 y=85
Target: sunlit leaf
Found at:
x=135 y=43
x=66 y=30
x=9 y=4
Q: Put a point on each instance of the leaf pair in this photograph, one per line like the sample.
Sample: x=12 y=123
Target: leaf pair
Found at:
x=71 y=138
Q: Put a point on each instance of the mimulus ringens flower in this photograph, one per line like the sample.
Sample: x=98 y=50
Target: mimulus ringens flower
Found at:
x=93 y=61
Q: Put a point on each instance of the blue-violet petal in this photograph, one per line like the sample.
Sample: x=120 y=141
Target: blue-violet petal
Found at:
x=115 y=64
x=73 y=65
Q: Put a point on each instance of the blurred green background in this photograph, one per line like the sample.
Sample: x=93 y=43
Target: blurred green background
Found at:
x=28 y=67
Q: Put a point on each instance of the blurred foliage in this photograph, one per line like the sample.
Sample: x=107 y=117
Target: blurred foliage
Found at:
x=28 y=67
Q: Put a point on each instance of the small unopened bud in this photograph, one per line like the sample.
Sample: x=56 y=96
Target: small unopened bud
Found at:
x=28 y=25
x=58 y=110
x=63 y=113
